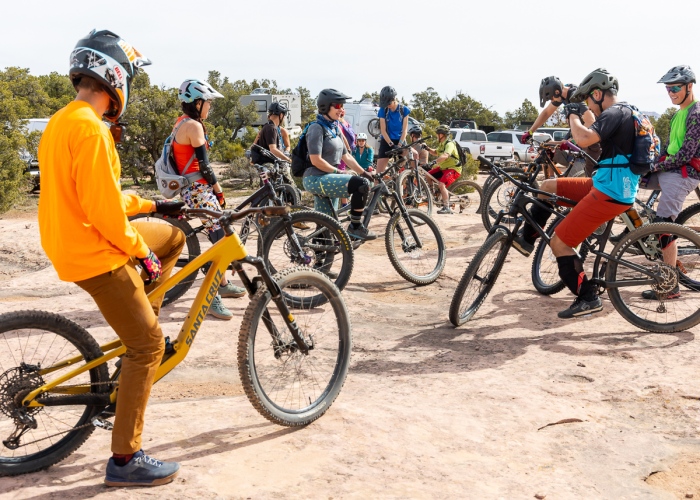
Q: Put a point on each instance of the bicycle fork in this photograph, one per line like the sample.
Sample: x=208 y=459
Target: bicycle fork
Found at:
x=300 y=343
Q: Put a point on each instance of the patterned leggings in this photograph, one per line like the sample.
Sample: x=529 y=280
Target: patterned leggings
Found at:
x=200 y=195
x=334 y=186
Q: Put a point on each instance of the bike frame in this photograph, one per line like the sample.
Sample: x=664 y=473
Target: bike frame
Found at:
x=519 y=210
x=228 y=249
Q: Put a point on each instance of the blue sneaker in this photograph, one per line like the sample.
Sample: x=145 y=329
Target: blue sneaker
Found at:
x=141 y=470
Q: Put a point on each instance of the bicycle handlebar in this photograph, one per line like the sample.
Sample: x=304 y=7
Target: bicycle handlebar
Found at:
x=267 y=154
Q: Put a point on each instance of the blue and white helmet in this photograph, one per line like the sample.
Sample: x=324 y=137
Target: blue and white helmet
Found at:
x=110 y=60
x=193 y=89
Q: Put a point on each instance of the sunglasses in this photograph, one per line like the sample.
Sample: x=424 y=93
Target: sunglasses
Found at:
x=337 y=105
x=674 y=88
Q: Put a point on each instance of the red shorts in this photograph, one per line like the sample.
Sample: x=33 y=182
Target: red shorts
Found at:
x=447 y=177
x=593 y=209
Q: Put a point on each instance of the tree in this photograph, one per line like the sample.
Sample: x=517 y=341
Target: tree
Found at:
x=463 y=106
x=308 y=105
x=12 y=168
x=150 y=116
x=525 y=113
x=373 y=96
x=662 y=126
x=27 y=88
x=59 y=90
x=425 y=104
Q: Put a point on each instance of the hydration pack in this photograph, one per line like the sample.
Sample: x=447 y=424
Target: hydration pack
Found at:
x=168 y=179
x=647 y=146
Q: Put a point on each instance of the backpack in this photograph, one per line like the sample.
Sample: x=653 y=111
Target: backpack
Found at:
x=647 y=146
x=168 y=179
x=300 y=153
x=461 y=155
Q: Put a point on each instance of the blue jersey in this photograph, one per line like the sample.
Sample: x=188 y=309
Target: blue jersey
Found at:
x=394 y=120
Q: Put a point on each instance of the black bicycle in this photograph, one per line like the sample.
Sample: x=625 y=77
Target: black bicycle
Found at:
x=413 y=240
x=633 y=265
x=308 y=238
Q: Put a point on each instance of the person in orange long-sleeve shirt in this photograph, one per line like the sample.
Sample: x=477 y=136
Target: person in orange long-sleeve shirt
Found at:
x=90 y=241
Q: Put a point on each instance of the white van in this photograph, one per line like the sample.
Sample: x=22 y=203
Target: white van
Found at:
x=360 y=115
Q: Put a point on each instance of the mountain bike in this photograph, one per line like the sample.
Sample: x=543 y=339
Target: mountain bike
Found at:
x=279 y=174
x=413 y=241
x=419 y=189
x=57 y=384
x=634 y=264
x=310 y=238
x=499 y=193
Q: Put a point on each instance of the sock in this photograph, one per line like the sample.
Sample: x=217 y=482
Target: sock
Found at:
x=121 y=460
x=571 y=272
x=541 y=216
x=355 y=219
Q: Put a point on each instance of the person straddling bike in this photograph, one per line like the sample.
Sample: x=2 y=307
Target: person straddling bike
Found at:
x=363 y=154
x=606 y=195
x=326 y=149
x=678 y=172
x=448 y=169
x=420 y=152
x=393 y=124
x=190 y=147
x=552 y=90
x=88 y=238
x=270 y=136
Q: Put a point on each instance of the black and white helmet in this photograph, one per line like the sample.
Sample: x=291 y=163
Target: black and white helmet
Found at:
x=678 y=74
x=110 y=60
x=386 y=96
x=327 y=97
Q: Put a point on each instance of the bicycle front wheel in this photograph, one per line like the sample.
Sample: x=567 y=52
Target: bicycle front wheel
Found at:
x=34 y=343
x=418 y=261
x=479 y=277
x=500 y=196
x=414 y=191
x=286 y=386
x=667 y=311
x=288 y=194
x=323 y=242
x=465 y=196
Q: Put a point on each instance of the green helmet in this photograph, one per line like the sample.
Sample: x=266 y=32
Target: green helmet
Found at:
x=599 y=79
x=442 y=129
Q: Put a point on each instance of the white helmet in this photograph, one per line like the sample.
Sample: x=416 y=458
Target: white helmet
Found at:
x=361 y=136
x=194 y=89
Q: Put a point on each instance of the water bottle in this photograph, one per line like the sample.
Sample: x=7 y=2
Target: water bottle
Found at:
x=634 y=217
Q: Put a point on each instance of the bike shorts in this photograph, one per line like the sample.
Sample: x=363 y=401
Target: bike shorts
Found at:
x=384 y=147
x=674 y=190
x=447 y=176
x=593 y=209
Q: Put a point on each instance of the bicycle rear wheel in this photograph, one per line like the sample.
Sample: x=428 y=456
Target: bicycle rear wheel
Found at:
x=286 y=386
x=415 y=192
x=32 y=343
x=423 y=265
x=190 y=251
x=642 y=247
x=324 y=243
x=465 y=196
x=288 y=194
x=479 y=277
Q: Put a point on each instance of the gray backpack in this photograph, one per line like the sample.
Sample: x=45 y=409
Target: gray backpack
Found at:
x=169 y=180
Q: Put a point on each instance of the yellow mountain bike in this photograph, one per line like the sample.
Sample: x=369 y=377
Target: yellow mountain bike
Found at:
x=57 y=383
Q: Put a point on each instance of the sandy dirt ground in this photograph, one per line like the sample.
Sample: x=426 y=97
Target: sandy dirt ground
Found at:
x=428 y=410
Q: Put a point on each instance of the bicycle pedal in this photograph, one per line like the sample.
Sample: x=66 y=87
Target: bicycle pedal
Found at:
x=101 y=423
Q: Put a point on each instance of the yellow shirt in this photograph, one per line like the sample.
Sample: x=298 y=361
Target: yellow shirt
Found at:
x=447 y=146
x=82 y=211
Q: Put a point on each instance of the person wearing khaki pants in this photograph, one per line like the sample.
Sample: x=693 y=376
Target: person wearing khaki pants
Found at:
x=86 y=233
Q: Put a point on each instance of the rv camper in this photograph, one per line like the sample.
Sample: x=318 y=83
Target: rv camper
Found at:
x=262 y=102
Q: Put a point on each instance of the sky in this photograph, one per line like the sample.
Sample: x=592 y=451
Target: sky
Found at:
x=495 y=51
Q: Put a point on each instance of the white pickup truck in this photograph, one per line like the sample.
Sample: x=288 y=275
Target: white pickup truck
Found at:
x=475 y=143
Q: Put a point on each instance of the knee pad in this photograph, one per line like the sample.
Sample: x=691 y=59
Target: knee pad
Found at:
x=665 y=239
x=358 y=184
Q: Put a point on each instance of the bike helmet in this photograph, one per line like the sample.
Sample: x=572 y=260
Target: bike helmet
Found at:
x=361 y=136
x=277 y=108
x=678 y=74
x=415 y=130
x=386 y=96
x=442 y=129
x=327 y=97
x=193 y=89
x=549 y=87
x=107 y=58
x=600 y=79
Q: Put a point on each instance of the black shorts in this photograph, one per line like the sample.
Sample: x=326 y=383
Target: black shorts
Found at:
x=384 y=147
